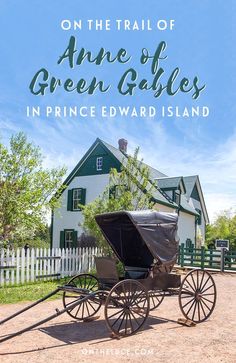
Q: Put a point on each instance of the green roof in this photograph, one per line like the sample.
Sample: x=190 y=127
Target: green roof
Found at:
x=189 y=182
x=163 y=181
x=184 y=205
x=169 y=182
x=158 y=194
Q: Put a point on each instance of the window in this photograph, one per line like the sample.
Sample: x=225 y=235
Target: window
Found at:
x=99 y=163
x=177 y=197
x=77 y=198
x=199 y=218
x=69 y=238
x=113 y=192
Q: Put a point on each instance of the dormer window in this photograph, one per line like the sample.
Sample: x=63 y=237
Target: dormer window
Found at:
x=99 y=163
x=177 y=197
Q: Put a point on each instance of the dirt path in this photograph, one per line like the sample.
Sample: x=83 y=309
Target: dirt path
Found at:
x=161 y=340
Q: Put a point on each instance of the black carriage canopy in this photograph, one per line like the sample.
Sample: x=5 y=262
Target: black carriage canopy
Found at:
x=139 y=237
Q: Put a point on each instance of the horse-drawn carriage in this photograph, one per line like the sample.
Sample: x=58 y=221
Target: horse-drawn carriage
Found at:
x=146 y=244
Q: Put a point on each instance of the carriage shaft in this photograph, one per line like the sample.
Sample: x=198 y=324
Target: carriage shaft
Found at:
x=58 y=313
x=30 y=306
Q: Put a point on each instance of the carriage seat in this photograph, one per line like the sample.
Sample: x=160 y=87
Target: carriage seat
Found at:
x=106 y=271
x=136 y=272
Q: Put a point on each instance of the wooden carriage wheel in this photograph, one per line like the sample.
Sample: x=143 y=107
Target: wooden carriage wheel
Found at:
x=87 y=308
x=126 y=307
x=197 y=295
x=155 y=298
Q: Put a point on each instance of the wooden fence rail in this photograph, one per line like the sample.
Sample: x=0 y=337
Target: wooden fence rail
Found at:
x=20 y=266
x=222 y=260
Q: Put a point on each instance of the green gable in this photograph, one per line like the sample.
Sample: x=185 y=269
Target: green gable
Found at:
x=195 y=194
x=89 y=166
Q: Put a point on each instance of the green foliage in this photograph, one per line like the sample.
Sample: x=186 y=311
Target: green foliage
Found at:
x=224 y=227
x=41 y=239
x=25 y=189
x=125 y=192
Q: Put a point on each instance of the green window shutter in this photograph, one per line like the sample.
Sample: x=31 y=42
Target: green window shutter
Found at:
x=75 y=243
x=69 y=199
x=83 y=196
x=62 y=239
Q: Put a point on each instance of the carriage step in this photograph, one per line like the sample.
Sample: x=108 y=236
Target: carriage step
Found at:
x=91 y=318
x=186 y=322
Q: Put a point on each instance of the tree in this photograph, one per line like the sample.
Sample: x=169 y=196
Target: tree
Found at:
x=26 y=189
x=224 y=227
x=129 y=189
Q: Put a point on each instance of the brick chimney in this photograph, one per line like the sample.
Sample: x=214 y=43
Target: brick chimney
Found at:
x=123 y=145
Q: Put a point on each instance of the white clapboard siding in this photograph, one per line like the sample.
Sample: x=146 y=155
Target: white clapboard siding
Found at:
x=22 y=266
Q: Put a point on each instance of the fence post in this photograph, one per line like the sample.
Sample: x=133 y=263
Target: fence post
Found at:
x=211 y=257
x=191 y=250
x=182 y=255
x=222 y=260
x=202 y=257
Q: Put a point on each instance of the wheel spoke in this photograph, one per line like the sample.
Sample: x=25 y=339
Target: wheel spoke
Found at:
x=137 y=302
x=203 y=297
x=207 y=288
x=82 y=310
x=121 y=322
x=134 y=317
x=187 y=297
x=125 y=297
x=195 y=287
x=91 y=288
x=126 y=322
x=79 y=284
x=89 y=283
x=78 y=310
x=72 y=302
x=189 y=302
x=187 y=291
x=199 y=317
x=202 y=308
x=122 y=312
x=209 y=294
x=136 y=297
x=153 y=300
x=188 y=283
x=206 y=282
x=206 y=305
x=190 y=307
x=130 y=321
x=91 y=305
x=194 y=310
x=72 y=297
x=133 y=294
x=117 y=312
x=202 y=280
x=138 y=313
x=87 y=307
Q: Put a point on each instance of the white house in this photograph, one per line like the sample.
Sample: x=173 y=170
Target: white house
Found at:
x=90 y=177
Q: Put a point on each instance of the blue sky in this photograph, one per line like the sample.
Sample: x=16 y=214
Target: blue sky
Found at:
x=201 y=43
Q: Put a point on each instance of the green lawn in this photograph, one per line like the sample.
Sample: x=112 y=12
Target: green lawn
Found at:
x=29 y=292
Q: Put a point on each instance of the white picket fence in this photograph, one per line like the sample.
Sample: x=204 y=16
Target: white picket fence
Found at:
x=20 y=266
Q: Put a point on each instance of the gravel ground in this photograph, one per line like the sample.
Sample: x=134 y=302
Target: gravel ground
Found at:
x=161 y=339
